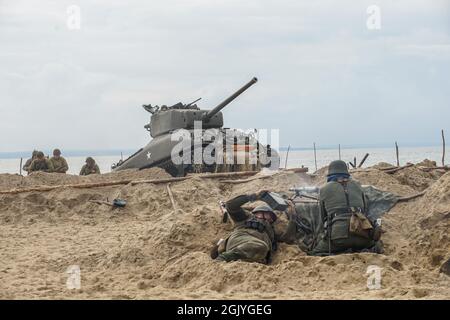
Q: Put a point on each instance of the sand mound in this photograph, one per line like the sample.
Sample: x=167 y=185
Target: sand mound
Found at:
x=417 y=179
x=11 y=181
x=150 y=250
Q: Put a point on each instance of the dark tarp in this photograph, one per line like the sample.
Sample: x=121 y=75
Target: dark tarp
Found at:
x=310 y=224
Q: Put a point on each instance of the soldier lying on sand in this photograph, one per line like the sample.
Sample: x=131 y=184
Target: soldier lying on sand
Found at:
x=254 y=238
x=343 y=206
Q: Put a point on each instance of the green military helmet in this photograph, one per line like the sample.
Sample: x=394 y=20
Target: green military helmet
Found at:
x=40 y=155
x=265 y=208
x=337 y=167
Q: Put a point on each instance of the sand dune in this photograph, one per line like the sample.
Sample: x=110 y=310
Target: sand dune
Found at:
x=148 y=251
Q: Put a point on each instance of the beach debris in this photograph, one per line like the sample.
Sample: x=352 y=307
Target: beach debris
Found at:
x=116 y=203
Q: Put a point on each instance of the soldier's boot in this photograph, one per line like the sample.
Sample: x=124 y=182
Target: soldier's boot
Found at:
x=378 y=247
x=228 y=256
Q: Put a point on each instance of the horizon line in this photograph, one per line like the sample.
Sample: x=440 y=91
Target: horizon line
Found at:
x=125 y=152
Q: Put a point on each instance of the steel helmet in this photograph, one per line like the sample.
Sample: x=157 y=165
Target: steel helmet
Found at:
x=337 y=167
x=265 y=208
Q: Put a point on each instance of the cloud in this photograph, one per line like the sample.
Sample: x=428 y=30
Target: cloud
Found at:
x=323 y=76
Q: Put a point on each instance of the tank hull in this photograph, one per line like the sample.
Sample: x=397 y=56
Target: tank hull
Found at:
x=243 y=153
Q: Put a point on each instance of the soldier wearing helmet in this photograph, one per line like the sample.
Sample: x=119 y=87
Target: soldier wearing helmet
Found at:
x=253 y=238
x=59 y=163
x=90 y=167
x=26 y=166
x=41 y=163
x=343 y=208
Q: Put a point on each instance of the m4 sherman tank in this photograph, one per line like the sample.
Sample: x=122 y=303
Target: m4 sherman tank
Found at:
x=188 y=139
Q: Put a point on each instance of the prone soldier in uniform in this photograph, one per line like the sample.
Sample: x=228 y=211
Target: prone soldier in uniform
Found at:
x=343 y=208
x=41 y=163
x=90 y=167
x=59 y=163
x=253 y=238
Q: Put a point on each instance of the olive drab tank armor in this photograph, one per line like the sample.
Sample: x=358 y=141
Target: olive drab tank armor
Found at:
x=166 y=120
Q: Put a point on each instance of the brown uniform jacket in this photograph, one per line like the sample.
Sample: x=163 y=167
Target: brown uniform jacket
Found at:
x=41 y=165
x=59 y=164
x=270 y=235
x=86 y=170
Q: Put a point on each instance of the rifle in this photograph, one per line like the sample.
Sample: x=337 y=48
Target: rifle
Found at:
x=305 y=192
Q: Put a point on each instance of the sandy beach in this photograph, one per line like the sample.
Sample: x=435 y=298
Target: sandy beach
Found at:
x=148 y=251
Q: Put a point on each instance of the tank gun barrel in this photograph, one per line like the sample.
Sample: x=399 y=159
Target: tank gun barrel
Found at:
x=224 y=103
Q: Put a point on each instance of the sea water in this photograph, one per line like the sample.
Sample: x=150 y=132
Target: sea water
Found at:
x=295 y=158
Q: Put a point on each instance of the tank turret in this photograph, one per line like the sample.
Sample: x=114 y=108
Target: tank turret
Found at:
x=180 y=116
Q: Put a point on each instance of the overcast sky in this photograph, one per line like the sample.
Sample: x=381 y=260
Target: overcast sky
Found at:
x=323 y=75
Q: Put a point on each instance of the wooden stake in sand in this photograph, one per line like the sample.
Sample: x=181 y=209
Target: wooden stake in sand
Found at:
x=287 y=156
x=20 y=168
x=172 y=200
x=339 y=151
x=102 y=202
x=363 y=160
x=443 y=148
x=396 y=153
x=315 y=156
x=403 y=199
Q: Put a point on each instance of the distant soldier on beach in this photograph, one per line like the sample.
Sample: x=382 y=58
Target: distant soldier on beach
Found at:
x=254 y=238
x=343 y=206
x=26 y=166
x=90 y=167
x=41 y=163
x=59 y=163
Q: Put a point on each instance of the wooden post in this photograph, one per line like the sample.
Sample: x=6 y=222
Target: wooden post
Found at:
x=315 y=156
x=121 y=156
x=287 y=155
x=20 y=169
x=339 y=151
x=443 y=148
x=172 y=200
x=354 y=162
x=363 y=160
x=396 y=152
